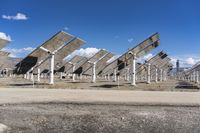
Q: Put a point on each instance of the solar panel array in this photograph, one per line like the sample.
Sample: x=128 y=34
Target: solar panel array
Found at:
x=50 y=56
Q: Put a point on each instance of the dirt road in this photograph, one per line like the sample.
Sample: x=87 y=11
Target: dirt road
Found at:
x=23 y=95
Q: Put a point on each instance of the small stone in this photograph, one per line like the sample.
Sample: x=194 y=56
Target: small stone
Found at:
x=3 y=128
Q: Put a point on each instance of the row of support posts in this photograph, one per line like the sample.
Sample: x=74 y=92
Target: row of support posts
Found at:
x=162 y=73
x=193 y=77
x=133 y=72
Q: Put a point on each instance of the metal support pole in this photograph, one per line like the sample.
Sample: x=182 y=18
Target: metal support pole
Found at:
x=115 y=75
x=28 y=75
x=38 y=75
x=148 y=73
x=133 y=83
x=81 y=76
x=73 y=74
x=118 y=78
x=161 y=75
x=156 y=78
x=94 y=73
x=197 y=77
x=164 y=75
x=24 y=76
x=61 y=75
x=32 y=74
x=193 y=76
x=128 y=75
x=108 y=77
x=51 y=81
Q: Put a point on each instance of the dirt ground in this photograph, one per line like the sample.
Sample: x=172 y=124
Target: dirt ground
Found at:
x=169 y=85
x=84 y=118
x=80 y=117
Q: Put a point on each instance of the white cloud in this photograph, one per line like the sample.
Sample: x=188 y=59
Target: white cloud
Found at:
x=141 y=60
x=148 y=56
x=185 y=61
x=18 y=16
x=130 y=40
x=87 y=52
x=145 y=58
x=18 y=52
x=173 y=61
x=190 y=61
x=4 y=36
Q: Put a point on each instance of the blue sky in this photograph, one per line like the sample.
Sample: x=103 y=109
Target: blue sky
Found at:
x=115 y=25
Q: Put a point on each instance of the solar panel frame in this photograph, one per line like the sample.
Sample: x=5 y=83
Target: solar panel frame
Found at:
x=161 y=65
x=87 y=65
x=52 y=44
x=62 y=53
x=67 y=64
x=153 y=61
x=140 y=50
x=78 y=66
x=99 y=65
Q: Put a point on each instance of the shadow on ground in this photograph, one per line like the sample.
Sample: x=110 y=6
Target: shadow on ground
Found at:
x=106 y=86
x=186 y=85
x=28 y=84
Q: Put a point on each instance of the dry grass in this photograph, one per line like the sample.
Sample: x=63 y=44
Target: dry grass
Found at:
x=170 y=85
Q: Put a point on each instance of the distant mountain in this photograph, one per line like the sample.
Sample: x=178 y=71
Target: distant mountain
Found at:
x=9 y=62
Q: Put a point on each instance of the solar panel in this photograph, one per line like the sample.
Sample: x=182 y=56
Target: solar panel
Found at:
x=56 y=42
x=61 y=54
x=100 y=64
x=195 y=67
x=140 y=50
x=161 y=64
x=87 y=65
x=68 y=49
x=68 y=65
x=78 y=66
x=153 y=61
x=124 y=71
